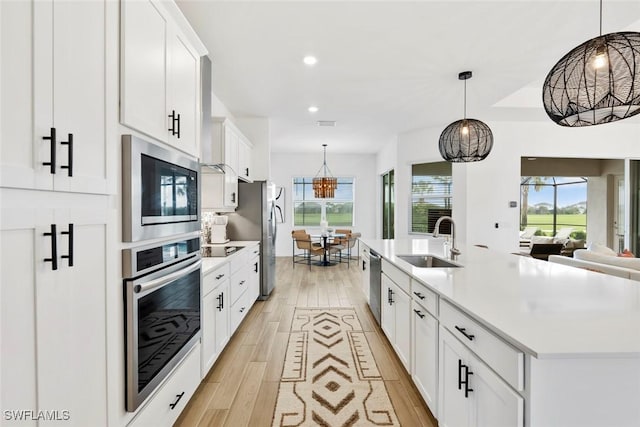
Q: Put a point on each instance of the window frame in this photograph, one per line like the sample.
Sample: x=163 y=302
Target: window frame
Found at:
x=450 y=197
x=323 y=202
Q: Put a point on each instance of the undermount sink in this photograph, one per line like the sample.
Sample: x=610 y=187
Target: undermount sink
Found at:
x=427 y=261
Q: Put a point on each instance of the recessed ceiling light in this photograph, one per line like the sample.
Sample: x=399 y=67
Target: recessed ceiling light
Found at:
x=310 y=60
x=313 y=109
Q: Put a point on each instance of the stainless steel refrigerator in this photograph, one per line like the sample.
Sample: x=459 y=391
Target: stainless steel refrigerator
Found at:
x=255 y=219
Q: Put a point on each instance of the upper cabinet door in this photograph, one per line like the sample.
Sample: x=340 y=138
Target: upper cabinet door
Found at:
x=183 y=100
x=58 y=62
x=85 y=53
x=143 y=70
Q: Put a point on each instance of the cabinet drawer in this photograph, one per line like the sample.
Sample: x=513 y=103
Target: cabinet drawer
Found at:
x=425 y=297
x=253 y=250
x=184 y=379
x=213 y=278
x=239 y=284
x=506 y=360
x=239 y=310
x=400 y=278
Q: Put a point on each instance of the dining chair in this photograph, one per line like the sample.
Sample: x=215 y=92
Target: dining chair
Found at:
x=302 y=241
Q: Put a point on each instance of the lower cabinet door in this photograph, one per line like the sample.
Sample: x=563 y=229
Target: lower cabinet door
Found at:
x=222 y=316
x=210 y=305
x=403 y=312
x=238 y=310
x=495 y=403
x=454 y=409
x=424 y=357
x=388 y=312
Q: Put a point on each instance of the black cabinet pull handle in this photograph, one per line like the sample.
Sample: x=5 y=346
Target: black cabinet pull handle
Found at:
x=172 y=116
x=69 y=165
x=419 y=295
x=255 y=267
x=241 y=309
x=175 y=403
x=246 y=172
x=391 y=295
x=467 y=389
x=460 y=382
x=51 y=163
x=233 y=197
x=219 y=297
x=241 y=282
x=219 y=276
x=364 y=267
x=419 y=313
x=69 y=256
x=221 y=300
x=54 y=248
x=463 y=331
x=178 y=133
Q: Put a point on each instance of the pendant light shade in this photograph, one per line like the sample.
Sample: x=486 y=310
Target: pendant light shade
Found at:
x=466 y=140
x=324 y=187
x=597 y=82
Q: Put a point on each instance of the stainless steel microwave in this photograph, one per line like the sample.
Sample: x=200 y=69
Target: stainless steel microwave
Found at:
x=160 y=196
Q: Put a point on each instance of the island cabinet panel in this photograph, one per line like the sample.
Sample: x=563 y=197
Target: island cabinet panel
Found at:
x=396 y=319
x=471 y=394
x=424 y=356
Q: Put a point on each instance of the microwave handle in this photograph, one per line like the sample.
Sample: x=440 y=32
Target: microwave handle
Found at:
x=157 y=283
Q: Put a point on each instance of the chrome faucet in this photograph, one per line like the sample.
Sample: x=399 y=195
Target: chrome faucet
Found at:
x=454 y=251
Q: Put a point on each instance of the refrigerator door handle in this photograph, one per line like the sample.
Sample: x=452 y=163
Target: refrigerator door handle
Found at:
x=274 y=225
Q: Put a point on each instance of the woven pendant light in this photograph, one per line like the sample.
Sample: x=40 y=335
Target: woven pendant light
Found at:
x=597 y=82
x=466 y=140
x=324 y=187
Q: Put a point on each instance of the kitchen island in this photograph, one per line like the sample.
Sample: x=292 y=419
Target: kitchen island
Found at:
x=562 y=344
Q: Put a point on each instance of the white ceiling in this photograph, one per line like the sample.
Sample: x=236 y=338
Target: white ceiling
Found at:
x=388 y=67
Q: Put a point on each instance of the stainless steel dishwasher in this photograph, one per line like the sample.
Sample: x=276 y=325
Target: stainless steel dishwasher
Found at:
x=375 y=279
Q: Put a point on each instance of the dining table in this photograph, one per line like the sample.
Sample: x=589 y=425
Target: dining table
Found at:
x=325 y=238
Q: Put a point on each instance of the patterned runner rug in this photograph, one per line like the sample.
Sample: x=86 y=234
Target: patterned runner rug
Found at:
x=330 y=377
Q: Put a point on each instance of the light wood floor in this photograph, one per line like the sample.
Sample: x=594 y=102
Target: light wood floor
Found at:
x=242 y=386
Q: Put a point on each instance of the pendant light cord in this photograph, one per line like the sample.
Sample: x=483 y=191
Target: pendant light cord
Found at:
x=465 y=99
x=600 y=17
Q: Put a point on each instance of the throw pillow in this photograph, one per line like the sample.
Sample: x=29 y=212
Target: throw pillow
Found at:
x=601 y=249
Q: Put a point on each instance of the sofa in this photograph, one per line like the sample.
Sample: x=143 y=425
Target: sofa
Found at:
x=602 y=260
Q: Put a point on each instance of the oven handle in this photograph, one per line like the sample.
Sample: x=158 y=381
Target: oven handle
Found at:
x=161 y=281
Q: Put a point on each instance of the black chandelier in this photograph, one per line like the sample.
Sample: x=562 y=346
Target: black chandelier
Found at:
x=466 y=140
x=597 y=82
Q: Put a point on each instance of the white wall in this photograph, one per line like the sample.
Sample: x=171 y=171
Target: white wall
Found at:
x=284 y=167
x=482 y=191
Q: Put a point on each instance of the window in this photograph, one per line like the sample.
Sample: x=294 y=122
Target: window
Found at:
x=551 y=203
x=307 y=210
x=430 y=196
x=388 y=204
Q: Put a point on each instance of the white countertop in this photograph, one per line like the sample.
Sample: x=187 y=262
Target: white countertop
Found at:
x=211 y=263
x=545 y=309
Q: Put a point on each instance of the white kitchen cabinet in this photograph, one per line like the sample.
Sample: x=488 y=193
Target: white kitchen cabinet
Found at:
x=172 y=396
x=160 y=76
x=254 y=275
x=220 y=191
x=245 y=149
x=471 y=394
x=58 y=92
x=53 y=303
x=215 y=315
x=396 y=319
x=424 y=355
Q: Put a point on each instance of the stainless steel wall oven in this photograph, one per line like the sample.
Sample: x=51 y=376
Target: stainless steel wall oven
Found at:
x=159 y=191
x=162 y=289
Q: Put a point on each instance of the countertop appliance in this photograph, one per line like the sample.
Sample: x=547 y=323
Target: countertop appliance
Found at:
x=375 y=283
x=219 y=229
x=159 y=191
x=255 y=219
x=219 y=250
x=162 y=317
